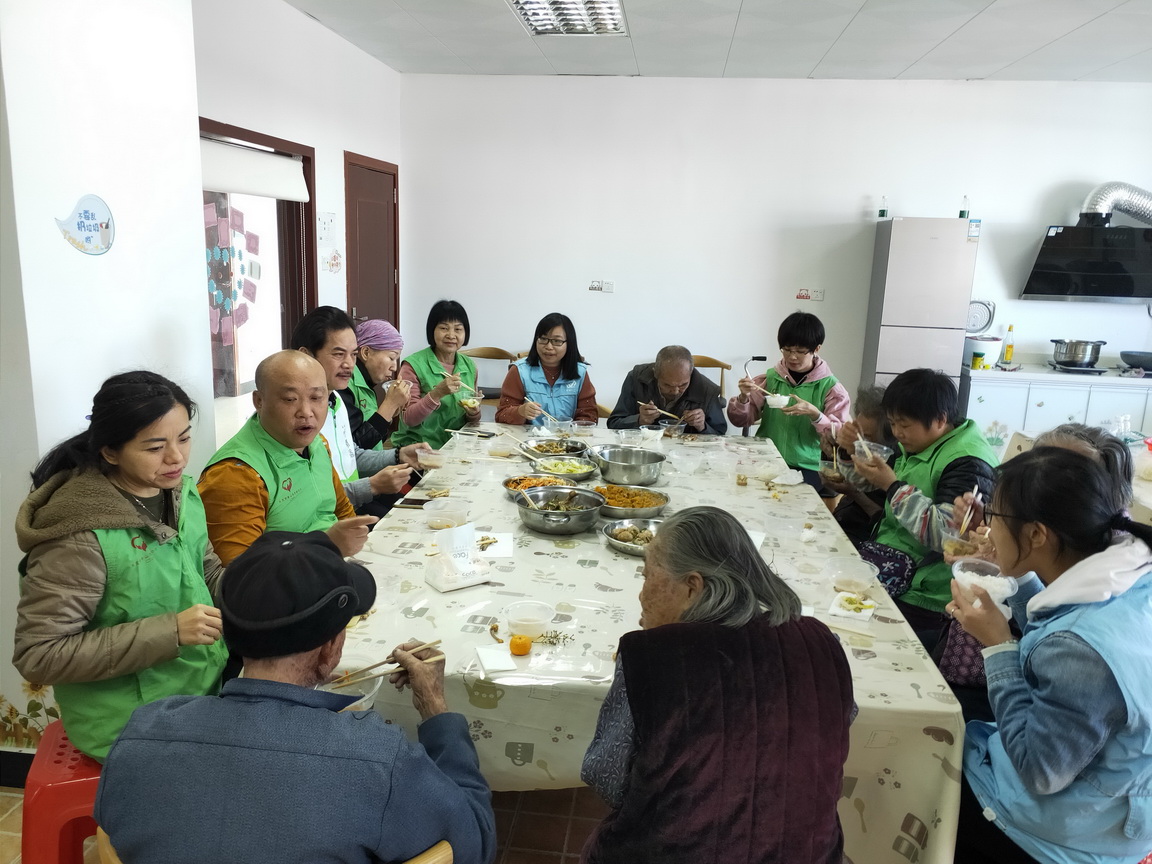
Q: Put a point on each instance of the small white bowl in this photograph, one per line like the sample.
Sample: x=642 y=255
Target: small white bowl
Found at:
x=777 y=400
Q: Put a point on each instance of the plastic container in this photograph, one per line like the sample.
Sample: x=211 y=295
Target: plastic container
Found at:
x=953 y=545
x=583 y=428
x=651 y=434
x=685 y=461
x=673 y=428
x=557 y=427
x=445 y=513
x=849 y=573
x=631 y=437
x=501 y=447
x=366 y=691
x=875 y=449
x=969 y=572
x=430 y=459
x=529 y=618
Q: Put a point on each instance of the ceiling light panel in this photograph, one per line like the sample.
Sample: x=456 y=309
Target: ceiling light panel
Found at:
x=571 y=17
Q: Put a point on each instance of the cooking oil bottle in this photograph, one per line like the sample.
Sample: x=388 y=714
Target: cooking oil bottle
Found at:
x=1009 y=345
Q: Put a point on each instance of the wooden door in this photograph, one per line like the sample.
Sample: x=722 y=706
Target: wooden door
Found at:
x=371 y=201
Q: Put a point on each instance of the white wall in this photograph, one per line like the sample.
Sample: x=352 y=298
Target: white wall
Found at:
x=265 y=66
x=100 y=102
x=709 y=202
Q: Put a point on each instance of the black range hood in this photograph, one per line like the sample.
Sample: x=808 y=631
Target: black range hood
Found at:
x=1093 y=260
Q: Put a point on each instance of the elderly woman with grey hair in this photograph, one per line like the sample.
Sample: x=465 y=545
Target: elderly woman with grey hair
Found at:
x=724 y=733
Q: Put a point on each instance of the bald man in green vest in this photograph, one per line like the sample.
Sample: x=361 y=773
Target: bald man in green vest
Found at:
x=276 y=473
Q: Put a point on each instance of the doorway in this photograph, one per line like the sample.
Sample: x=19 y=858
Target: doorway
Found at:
x=371 y=202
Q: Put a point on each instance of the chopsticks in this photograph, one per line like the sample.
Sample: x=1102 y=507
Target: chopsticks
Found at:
x=662 y=411
x=864 y=444
x=968 y=516
x=542 y=411
x=350 y=677
x=386 y=672
x=462 y=384
x=531 y=503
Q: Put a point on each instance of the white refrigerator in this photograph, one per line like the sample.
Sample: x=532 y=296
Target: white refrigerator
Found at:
x=922 y=273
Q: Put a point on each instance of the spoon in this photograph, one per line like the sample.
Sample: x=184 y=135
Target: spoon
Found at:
x=858 y=803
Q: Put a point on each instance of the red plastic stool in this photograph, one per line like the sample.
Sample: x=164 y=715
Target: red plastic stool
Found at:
x=59 y=795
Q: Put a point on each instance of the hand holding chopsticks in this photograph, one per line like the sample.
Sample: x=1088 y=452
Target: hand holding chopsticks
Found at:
x=662 y=411
x=357 y=676
x=971 y=507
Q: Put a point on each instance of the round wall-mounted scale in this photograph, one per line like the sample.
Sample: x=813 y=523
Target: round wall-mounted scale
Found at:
x=980 y=315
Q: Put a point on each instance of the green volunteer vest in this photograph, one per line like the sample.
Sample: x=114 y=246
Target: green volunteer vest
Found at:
x=365 y=398
x=450 y=415
x=930 y=587
x=794 y=437
x=300 y=492
x=145 y=578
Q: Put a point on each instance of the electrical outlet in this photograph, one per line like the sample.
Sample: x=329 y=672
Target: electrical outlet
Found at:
x=609 y=287
x=817 y=293
x=596 y=285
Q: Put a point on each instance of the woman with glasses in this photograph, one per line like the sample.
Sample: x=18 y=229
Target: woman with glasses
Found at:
x=442 y=381
x=1065 y=772
x=550 y=380
x=816 y=400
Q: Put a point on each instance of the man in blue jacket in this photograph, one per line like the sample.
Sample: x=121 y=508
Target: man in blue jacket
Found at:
x=275 y=770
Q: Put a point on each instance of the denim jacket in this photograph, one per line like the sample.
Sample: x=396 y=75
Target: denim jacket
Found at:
x=274 y=772
x=1066 y=771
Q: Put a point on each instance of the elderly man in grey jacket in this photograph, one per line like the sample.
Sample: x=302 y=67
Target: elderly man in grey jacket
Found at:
x=276 y=770
x=671 y=384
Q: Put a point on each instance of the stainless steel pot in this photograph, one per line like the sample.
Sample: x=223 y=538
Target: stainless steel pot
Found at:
x=627 y=466
x=1075 y=352
x=555 y=522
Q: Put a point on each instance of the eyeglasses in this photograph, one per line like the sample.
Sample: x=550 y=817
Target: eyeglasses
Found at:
x=989 y=514
x=795 y=352
x=555 y=343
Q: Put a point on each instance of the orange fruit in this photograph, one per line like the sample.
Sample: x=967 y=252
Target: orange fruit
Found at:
x=520 y=645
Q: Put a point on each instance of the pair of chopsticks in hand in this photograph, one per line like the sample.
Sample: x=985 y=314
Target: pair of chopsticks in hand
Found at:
x=353 y=677
x=662 y=411
x=542 y=411
x=968 y=516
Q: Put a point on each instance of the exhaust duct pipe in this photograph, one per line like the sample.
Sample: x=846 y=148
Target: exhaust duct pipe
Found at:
x=1114 y=197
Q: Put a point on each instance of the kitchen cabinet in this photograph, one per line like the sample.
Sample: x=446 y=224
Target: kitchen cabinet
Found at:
x=1106 y=405
x=998 y=408
x=1049 y=405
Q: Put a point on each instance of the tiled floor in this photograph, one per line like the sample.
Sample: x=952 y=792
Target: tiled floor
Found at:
x=541 y=827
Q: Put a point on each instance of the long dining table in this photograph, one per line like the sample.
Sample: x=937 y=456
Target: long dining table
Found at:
x=532 y=720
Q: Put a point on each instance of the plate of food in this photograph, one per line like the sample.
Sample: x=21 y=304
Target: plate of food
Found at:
x=513 y=485
x=630 y=536
x=553 y=447
x=631 y=502
x=566 y=466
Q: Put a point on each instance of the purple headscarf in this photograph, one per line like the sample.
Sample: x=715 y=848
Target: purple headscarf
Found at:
x=379 y=335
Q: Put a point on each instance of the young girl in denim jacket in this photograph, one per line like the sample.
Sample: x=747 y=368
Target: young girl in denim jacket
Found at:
x=1065 y=772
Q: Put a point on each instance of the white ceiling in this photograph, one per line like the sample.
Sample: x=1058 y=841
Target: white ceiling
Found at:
x=1018 y=40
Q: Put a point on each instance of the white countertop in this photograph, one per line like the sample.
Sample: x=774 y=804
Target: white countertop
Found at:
x=1044 y=374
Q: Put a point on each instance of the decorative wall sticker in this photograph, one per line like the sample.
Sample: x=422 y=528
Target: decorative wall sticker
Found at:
x=90 y=227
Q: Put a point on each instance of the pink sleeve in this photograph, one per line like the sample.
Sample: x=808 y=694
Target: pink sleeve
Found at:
x=837 y=408
x=419 y=407
x=747 y=413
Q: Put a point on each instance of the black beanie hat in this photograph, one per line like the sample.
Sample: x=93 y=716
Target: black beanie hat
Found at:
x=289 y=593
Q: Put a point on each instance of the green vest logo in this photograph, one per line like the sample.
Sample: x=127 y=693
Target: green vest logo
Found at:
x=137 y=543
x=287 y=485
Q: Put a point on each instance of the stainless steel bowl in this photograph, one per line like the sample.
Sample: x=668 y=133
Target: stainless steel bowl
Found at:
x=514 y=494
x=553 y=522
x=628 y=466
x=571 y=447
x=610 y=512
x=1076 y=352
x=586 y=468
x=629 y=548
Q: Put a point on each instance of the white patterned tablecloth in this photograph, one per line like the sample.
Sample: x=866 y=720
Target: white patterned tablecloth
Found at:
x=532 y=725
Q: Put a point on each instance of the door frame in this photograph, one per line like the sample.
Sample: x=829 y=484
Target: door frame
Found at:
x=360 y=161
x=298 y=272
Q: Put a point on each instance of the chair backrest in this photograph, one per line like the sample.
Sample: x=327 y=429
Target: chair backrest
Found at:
x=489 y=354
x=603 y=411
x=441 y=853
x=104 y=848
x=491 y=395
x=700 y=361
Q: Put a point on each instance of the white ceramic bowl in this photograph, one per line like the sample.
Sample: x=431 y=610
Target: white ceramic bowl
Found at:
x=529 y=618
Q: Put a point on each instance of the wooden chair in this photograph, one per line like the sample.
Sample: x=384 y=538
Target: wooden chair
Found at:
x=702 y=362
x=441 y=853
x=491 y=394
x=603 y=411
